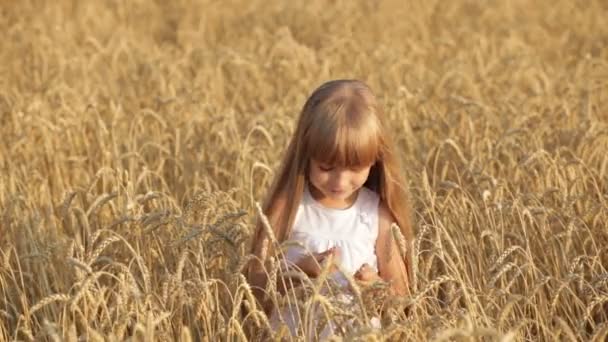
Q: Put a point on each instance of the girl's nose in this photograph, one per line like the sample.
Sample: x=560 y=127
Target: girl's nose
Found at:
x=340 y=180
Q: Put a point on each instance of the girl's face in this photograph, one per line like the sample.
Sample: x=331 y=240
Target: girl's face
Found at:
x=336 y=187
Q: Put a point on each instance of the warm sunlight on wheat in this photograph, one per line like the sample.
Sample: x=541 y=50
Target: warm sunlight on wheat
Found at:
x=138 y=136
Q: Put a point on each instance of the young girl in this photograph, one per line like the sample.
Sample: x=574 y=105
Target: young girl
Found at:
x=337 y=193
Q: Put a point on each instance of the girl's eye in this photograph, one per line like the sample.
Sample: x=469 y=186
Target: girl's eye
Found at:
x=325 y=168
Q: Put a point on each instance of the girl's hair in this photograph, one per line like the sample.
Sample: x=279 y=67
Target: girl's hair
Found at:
x=340 y=125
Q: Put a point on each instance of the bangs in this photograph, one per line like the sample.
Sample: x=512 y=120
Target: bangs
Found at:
x=344 y=140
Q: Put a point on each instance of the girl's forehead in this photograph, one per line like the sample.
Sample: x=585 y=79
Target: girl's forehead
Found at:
x=349 y=148
x=340 y=155
x=342 y=133
x=332 y=164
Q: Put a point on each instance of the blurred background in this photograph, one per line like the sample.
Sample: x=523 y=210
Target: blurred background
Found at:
x=137 y=137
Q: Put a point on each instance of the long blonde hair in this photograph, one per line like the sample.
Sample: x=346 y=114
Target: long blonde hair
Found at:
x=340 y=124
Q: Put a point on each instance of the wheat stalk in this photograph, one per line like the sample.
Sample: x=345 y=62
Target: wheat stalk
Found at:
x=119 y=137
x=59 y=297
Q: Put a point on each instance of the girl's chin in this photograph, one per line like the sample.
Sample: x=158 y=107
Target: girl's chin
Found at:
x=334 y=195
x=342 y=195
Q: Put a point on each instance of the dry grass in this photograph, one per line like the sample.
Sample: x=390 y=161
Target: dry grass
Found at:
x=137 y=137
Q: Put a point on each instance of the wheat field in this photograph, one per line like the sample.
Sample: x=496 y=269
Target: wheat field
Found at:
x=138 y=136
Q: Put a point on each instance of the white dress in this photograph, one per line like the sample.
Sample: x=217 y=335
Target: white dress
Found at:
x=353 y=230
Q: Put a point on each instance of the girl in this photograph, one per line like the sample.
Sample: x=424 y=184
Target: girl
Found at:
x=338 y=191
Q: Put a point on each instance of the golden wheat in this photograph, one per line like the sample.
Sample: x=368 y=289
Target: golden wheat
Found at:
x=139 y=138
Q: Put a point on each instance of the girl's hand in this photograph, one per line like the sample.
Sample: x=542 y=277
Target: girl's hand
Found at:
x=366 y=274
x=312 y=264
x=334 y=254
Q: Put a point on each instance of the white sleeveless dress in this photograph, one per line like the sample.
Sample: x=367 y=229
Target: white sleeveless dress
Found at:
x=353 y=230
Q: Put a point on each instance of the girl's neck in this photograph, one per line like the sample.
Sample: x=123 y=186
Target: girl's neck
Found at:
x=330 y=203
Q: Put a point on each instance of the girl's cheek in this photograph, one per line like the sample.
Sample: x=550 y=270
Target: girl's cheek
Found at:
x=320 y=176
x=325 y=176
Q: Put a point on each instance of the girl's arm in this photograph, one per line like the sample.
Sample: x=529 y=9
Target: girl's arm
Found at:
x=258 y=277
x=257 y=270
x=390 y=264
